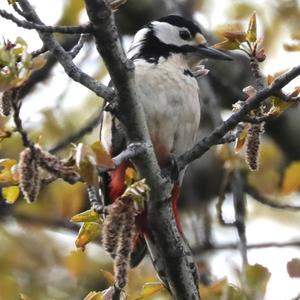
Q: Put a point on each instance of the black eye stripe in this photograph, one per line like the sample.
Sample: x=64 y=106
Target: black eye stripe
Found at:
x=185 y=35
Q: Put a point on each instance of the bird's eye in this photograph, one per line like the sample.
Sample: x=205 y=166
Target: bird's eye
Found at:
x=185 y=35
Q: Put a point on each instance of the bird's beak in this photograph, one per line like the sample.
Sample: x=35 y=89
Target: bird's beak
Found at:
x=210 y=52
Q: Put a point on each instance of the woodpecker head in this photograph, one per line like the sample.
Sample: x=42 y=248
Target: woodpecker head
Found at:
x=172 y=35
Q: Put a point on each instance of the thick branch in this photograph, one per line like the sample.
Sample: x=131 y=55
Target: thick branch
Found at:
x=253 y=102
x=174 y=255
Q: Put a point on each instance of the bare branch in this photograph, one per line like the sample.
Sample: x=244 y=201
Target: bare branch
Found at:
x=235 y=246
x=132 y=151
x=287 y=98
x=16 y=106
x=174 y=259
x=38 y=52
x=87 y=128
x=253 y=102
x=83 y=39
x=267 y=201
x=64 y=58
x=238 y=193
x=85 y=28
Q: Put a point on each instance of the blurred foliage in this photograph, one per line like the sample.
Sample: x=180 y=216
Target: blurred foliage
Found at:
x=37 y=259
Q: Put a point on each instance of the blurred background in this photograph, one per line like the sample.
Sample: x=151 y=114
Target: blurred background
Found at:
x=38 y=256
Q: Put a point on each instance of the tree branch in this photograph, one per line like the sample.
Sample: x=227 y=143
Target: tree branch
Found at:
x=64 y=58
x=174 y=256
x=253 y=102
x=269 y=202
x=235 y=246
x=85 y=28
x=132 y=151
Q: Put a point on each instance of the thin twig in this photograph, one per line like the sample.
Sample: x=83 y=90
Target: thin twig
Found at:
x=84 y=28
x=40 y=51
x=76 y=49
x=76 y=136
x=253 y=102
x=258 y=120
x=267 y=201
x=287 y=98
x=133 y=150
x=65 y=59
x=238 y=192
x=235 y=246
x=16 y=106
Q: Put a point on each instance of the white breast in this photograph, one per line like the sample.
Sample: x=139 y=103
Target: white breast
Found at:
x=170 y=101
x=171 y=105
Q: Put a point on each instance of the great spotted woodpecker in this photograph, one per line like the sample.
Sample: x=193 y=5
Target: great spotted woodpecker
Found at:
x=165 y=53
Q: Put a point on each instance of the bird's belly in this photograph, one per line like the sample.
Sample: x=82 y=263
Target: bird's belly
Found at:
x=172 y=109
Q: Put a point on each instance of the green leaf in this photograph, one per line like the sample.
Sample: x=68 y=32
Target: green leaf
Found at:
x=257 y=278
x=291 y=178
x=11 y=194
x=228 y=45
x=86 y=216
x=88 y=232
x=251 y=35
x=103 y=158
x=292 y=47
x=86 y=163
x=239 y=36
x=149 y=289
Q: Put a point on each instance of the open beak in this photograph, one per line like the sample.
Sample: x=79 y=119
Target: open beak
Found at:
x=210 y=52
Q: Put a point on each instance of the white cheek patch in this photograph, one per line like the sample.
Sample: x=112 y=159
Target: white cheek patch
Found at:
x=169 y=34
x=137 y=42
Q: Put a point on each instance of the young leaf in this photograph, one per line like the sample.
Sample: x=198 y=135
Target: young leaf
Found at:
x=239 y=36
x=94 y=296
x=240 y=141
x=149 y=289
x=130 y=176
x=257 y=278
x=86 y=216
x=6 y=173
x=11 y=194
x=292 y=47
x=279 y=106
x=103 y=158
x=251 y=35
x=291 y=178
x=86 y=163
x=24 y=297
x=228 y=45
x=88 y=232
x=293 y=268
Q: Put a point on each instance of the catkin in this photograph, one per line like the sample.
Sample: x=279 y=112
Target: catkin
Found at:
x=252 y=146
x=30 y=180
x=6 y=103
x=111 y=227
x=124 y=248
x=53 y=165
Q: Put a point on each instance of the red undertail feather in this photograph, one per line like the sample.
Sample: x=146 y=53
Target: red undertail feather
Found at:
x=116 y=189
